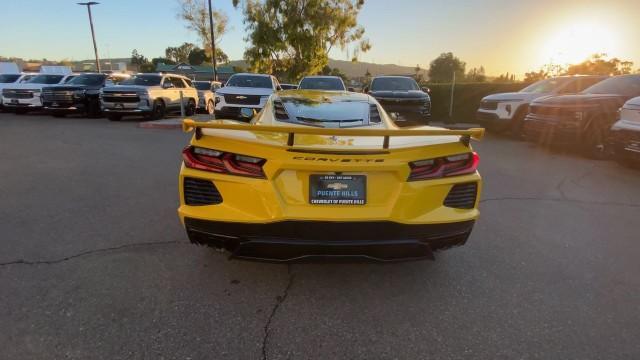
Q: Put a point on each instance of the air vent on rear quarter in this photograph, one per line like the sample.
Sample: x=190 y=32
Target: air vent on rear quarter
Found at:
x=200 y=192
x=462 y=196
x=280 y=111
x=374 y=114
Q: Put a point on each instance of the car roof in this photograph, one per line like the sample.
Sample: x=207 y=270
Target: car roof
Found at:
x=322 y=77
x=393 y=76
x=252 y=74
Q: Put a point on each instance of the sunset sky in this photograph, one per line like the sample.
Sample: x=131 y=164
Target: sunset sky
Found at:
x=503 y=36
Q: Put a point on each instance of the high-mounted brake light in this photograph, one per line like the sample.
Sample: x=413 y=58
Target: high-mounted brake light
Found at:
x=453 y=165
x=223 y=162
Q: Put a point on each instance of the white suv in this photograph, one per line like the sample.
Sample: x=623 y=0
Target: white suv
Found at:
x=8 y=80
x=25 y=96
x=150 y=95
x=244 y=91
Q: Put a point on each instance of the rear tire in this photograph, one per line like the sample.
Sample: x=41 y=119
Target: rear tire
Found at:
x=113 y=117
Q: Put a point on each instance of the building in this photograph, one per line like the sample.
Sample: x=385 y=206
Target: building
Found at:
x=197 y=72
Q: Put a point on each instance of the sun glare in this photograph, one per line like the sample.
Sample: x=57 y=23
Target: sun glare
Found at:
x=576 y=42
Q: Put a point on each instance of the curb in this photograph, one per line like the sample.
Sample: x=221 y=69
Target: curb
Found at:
x=160 y=125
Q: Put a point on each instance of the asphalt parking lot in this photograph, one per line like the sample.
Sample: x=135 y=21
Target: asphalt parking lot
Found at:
x=95 y=265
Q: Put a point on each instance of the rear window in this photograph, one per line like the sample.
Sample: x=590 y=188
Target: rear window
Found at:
x=9 y=78
x=313 y=83
x=46 y=79
x=619 y=85
x=250 y=81
x=394 y=84
x=202 y=85
x=143 y=80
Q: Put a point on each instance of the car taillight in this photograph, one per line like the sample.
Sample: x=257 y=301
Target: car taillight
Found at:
x=453 y=165
x=223 y=162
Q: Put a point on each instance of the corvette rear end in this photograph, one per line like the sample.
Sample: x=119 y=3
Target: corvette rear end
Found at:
x=279 y=192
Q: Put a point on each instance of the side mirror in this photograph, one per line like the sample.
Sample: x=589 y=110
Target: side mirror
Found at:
x=365 y=90
x=167 y=85
x=278 y=88
x=351 y=89
x=426 y=89
x=247 y=113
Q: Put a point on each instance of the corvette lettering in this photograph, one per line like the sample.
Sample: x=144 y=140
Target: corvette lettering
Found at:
x=336 y=160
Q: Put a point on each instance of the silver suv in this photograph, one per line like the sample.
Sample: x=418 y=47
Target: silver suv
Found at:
x=150 y=95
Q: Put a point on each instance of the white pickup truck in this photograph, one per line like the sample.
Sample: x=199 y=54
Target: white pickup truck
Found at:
x=244 y=91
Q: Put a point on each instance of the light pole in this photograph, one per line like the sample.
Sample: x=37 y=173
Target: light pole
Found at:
x=93 y=34
x=213 y=44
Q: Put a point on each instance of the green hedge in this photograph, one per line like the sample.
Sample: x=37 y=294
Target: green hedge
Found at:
x=466 y=99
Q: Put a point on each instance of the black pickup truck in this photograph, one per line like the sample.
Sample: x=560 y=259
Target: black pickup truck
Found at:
x=80 y=95
x=401 y=95
x=583 y=119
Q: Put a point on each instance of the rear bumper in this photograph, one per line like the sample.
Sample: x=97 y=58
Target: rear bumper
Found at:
x=304 y=240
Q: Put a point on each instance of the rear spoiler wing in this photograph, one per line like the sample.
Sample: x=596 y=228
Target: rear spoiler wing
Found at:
x=189 y=125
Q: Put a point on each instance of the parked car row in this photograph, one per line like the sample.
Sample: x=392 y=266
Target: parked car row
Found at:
x=155 y=95
x=602 y=119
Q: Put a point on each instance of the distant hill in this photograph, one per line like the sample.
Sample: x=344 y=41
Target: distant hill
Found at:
x=358 y=69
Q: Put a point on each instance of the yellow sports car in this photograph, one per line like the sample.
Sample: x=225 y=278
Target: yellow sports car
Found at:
x=327 y=174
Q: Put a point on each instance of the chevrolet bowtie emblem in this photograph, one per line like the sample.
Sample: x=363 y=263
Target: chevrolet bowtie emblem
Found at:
x=241 y=97
x=337 y=186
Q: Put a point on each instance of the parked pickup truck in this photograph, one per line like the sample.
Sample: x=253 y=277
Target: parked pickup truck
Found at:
x=80 y=95
x=150 y=95
x=24 y=97
x=244 y=91
x=10 y=79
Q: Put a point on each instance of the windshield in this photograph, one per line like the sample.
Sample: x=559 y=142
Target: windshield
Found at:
x=546 y=86
x=89 y=80
x=46 y=79
x=620 y=85
x=143 y=80
x=8 y=78
x=394 y=84
x=202 y=85
x=322 y=83
x=251 y=81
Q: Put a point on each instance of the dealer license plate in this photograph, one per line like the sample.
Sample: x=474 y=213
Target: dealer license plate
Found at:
x=338 y=189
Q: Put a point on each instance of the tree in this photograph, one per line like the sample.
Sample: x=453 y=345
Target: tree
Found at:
x=195 y=14
x=597 y=64
x=179 y=54
x=534 y=76
x=197 y=56
x=327 y=70
x=476 y=75
x=418 y=74
x=138 y=59
x=294 y=37
x=442 y=68
x=147 y=68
